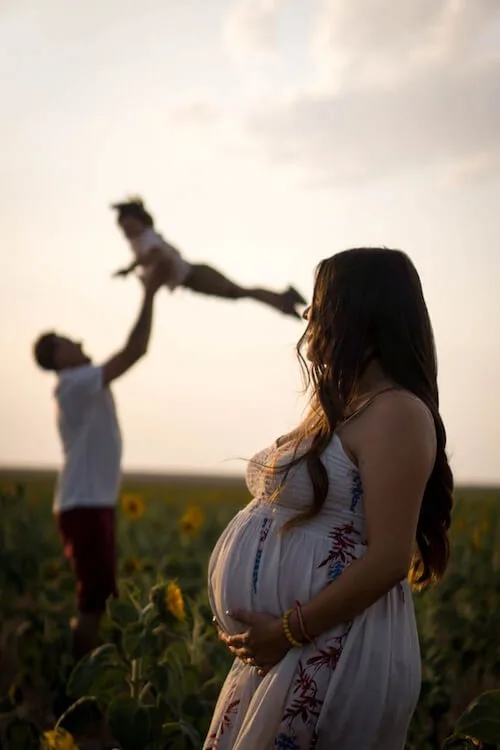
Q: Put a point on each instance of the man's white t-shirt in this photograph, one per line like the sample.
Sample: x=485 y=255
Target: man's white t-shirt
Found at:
x=91 y=440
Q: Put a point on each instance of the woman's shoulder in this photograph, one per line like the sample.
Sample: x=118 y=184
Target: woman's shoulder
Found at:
x=399 y=404
x=400 y=416
x=394 y=417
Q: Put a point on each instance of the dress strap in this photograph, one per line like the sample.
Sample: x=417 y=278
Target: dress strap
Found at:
x=367 y=403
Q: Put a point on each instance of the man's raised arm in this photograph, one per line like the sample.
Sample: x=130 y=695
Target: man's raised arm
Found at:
x=138 y=340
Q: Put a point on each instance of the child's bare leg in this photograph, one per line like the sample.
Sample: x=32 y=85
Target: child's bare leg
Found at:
x=207 y=280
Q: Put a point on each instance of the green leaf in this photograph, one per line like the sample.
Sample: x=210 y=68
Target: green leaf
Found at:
x=149 y=642
x=177 y=653
x=158 y=675
x=131 y=640
x=495 y=669
x=101 y=674
x=130 y=724
x=181 y=735
x=173 y=734
x=481 y=720
x=6 y=705
x=459 y=743
x=122 y=613
x=83 y=713
x=28 y=643
x=193 y=706
x=156 y=719
x=21 y=734
x=190 y=733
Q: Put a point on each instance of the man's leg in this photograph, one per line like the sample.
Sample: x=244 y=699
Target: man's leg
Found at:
x=89 y=538
x=85 y=631
x=207 y=280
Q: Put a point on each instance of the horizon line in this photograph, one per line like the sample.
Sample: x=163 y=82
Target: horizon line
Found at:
x=200 y=475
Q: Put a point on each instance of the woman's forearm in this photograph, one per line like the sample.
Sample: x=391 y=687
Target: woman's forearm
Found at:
x=359 y=586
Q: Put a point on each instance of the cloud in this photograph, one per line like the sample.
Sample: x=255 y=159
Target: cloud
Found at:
x=197 y=114
x=251 y=28
x=453 y=119
x=380 y=41
x=400 y=86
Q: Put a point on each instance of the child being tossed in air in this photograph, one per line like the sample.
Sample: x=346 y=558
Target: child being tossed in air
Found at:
x=138 y=227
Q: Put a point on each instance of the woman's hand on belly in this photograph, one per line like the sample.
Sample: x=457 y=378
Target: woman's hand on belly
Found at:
x=263 y=644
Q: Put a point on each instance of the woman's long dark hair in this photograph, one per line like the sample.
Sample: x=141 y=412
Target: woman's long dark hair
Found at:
x=368 y=304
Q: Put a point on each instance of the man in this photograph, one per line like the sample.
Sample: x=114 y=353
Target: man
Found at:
x=88 y=485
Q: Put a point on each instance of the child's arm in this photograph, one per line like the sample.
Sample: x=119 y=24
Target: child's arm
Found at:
x=125 y=271
x=151 y=256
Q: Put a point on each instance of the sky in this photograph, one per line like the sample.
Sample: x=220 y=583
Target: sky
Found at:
x=264 y=135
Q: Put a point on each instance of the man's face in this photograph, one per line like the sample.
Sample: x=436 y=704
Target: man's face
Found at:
x=69 y=353
x=132 y=227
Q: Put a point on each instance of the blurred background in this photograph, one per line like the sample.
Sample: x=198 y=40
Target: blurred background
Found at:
x=263 y=135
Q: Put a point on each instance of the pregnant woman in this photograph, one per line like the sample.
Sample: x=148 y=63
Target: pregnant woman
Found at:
x=310 y=583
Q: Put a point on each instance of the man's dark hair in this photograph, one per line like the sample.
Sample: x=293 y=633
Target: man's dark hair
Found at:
x=44 y=351
x=134 y=209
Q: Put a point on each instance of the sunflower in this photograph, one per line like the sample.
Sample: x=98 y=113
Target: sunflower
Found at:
x=191 y=521
x=132 y=506
x=175 y=601
x=58 y=739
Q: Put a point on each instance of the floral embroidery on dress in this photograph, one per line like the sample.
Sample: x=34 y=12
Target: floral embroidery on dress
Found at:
x=264 y=531
x=230 y=710
x=356 y=489
x=329 y=657
x=285 y=742
x=306 y=706
x=343 y=542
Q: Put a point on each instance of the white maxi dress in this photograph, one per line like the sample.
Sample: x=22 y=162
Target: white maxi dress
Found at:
x=357 y=688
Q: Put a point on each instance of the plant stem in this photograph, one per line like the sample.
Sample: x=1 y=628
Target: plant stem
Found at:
x=144 y=692
x=135 y=683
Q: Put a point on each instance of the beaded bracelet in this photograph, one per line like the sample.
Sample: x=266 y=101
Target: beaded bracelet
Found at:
x=288 y=633
x=300 y=619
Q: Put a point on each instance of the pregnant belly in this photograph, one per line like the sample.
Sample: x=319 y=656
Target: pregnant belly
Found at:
x=254 y=568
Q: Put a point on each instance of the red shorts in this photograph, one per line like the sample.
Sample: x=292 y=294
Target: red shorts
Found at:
x=88 y=536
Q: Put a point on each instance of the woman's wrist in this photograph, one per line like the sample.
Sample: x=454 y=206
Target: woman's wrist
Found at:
x=292 y=640
x=280 y=635
x=307 y=635
x=295 y=629
x=309 y=625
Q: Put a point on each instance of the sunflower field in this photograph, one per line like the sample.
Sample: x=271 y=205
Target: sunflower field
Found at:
x=153 y=682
